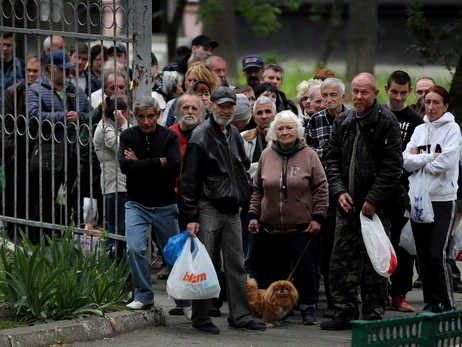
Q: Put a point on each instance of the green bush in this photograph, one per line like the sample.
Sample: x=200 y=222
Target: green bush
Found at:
x=55 y=281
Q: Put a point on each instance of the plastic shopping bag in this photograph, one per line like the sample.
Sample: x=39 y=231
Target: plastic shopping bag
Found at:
x=193 y=276
x=406 y=240
x=421 y=205
x=174 y=247
x=456 y=243
x=378 y=245
x=90 y=210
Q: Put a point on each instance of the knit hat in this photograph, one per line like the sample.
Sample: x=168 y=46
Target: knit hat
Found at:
x=165 y=83
x=242 y=112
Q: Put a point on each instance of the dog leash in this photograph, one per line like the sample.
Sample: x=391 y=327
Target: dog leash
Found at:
x=303 y=253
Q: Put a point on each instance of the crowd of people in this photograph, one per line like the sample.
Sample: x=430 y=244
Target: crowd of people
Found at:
x=274 y=190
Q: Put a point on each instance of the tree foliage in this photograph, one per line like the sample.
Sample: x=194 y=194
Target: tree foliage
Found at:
x=263 y=16
x=430 y=44
x=430 y=41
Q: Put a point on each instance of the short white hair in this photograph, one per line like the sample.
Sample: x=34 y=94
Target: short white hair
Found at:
x=305 y=86
x=286 y=116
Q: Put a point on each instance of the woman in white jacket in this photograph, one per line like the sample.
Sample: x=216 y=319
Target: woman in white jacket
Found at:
x=435 y=149
x=113 y=181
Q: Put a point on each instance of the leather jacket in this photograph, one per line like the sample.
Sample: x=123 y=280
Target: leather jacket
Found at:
x=214 y=170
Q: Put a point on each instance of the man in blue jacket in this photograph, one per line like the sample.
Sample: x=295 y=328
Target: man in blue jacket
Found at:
x=56 y=110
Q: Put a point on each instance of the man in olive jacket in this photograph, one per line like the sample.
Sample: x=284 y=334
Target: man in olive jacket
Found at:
x=364 y=165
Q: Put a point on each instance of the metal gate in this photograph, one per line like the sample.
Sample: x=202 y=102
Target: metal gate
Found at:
x=49 y=169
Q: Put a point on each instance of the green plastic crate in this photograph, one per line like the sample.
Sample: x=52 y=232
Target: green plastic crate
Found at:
x=424 y=330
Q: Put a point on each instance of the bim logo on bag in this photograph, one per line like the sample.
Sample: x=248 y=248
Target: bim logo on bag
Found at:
x=194 y=279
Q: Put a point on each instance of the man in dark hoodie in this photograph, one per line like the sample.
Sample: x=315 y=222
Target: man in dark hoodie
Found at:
x=201 y=49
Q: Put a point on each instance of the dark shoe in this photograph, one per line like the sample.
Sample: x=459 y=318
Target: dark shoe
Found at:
x=330 y=312
x=308 y=317
x=336 y=324
x=457 y=285
x=177 y=311
x=163 y=274
x=249 y=326
x=373 y=314
x=214 y=312
x=417 y=283
x=427 y=307
x=208 y=328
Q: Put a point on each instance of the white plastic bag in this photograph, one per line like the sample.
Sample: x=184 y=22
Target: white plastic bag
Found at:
x=406 y=240
x=378 y=245
x=421 y=205
x=456 y=243
x=193 y=276
x=90 y=210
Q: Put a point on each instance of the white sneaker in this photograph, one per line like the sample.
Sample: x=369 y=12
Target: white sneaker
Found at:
x=187 y=312
x=138 y=305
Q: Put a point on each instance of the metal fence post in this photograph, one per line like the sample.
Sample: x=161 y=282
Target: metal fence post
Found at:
x=142 y=36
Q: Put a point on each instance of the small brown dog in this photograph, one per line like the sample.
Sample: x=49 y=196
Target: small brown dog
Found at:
x=272 y=304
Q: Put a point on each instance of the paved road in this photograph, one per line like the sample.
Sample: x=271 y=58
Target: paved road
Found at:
x=178 y=332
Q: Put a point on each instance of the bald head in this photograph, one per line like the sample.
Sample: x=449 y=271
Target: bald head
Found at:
x=366 y=76
x=364 y=90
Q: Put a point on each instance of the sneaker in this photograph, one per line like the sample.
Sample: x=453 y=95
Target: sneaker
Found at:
x=399 y=303
x=163 y=274
x=249 y=326
x=138 y=305
x=208 y=328
x=329 y=312
x=187 y=311
x=336 y=324
x=308 y=317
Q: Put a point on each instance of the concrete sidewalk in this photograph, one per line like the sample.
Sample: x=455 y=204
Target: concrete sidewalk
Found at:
x=156 y=327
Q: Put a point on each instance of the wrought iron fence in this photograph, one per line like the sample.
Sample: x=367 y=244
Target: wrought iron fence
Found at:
x=50 y=170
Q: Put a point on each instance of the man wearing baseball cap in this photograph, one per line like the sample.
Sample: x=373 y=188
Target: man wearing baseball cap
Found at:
x=252 y=68
x=201 y=49
x=61 y=106
x=213 y=186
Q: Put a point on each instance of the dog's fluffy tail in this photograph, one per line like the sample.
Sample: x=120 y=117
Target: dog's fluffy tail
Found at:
x=251 y=283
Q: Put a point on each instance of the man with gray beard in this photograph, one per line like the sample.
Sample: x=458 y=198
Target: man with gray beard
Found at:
x=213 y=186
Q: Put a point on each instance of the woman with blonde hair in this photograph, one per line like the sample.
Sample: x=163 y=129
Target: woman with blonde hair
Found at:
x=201 y=72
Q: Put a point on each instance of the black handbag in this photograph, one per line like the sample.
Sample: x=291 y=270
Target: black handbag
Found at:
x=49 y=153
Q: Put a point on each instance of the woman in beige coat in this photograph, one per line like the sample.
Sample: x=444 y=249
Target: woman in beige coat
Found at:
x=106 y=142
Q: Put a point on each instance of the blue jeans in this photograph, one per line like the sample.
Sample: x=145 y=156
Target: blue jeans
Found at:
x=164 y=222
x=115 y=225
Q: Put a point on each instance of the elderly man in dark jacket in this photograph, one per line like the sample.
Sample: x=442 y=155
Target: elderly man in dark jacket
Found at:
x=56 y=109
x=364 y=164
x=213 y=186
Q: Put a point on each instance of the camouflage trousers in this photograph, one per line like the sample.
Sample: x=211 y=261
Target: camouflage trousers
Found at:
x=348 y=263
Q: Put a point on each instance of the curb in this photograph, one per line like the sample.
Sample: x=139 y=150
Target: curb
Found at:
x=89 y=329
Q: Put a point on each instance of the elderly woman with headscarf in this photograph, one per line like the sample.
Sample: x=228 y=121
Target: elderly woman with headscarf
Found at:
x=168 y=85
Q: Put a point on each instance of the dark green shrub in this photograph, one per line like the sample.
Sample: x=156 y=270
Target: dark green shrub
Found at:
x=55 y=281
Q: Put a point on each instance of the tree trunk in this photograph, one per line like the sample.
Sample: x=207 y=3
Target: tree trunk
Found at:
x=335 y=22
x=362 y=39
x=455 y=106
x=172 y=28
x=222 y=30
